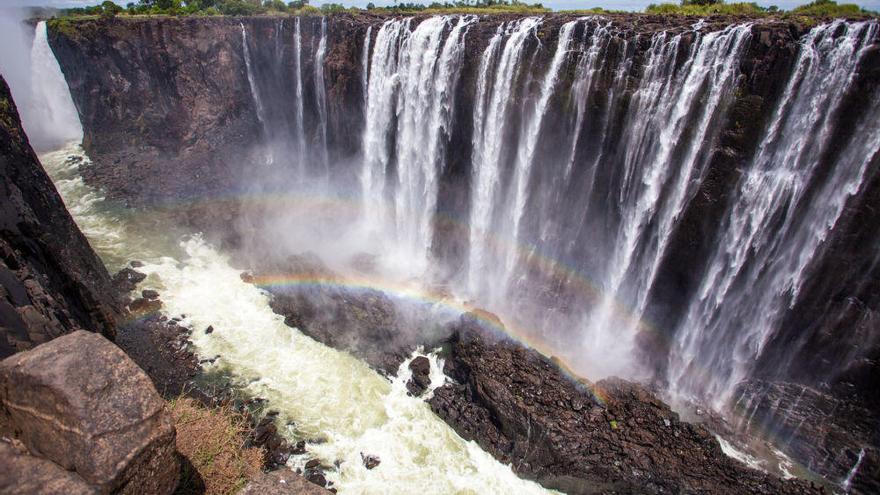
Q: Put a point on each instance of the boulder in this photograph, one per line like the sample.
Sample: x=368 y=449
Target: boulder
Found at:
x=421 y=376
x=24 y=474
x=281 y=482
x=80 y=402
x=370 y=461
x=149 y=294
x=141 y=306
x=126 y=280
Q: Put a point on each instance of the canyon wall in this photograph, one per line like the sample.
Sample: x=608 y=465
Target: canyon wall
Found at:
x=681 y=200
x=51 y=281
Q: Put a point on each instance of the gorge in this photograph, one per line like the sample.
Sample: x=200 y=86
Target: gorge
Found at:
x=689 y=204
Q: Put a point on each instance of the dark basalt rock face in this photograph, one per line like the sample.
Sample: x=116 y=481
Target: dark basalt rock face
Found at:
x=838 y=434
x=51 y=282
x=613 y=436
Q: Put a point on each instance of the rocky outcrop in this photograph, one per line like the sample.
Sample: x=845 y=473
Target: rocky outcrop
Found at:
x=579 y=437
x=82 y=404
x=326 y=307
x=51 y=282
x=282 y=482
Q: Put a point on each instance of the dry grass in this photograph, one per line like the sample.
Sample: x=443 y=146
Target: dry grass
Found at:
x=212 y=440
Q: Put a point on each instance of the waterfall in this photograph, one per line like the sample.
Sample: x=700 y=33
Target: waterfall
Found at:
x=299 y=119
x=252 y=83
x=410 y=89
x=658 y=160
x=321 y=94
x=783 y=210
x=50 y=117
x=365 y=68
x=531 y=130
x=491 y=107
x=660 y=167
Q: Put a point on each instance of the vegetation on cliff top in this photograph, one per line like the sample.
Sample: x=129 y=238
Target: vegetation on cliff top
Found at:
x=815 y=9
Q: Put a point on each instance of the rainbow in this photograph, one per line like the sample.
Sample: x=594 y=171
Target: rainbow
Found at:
x=420 y=295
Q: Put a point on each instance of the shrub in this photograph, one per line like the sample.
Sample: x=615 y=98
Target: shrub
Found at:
x=829 y=8
x=707 y=9
x=277 y=5
x=309 y=10
x=212 y=440
x=239 y=7
x=110 y=9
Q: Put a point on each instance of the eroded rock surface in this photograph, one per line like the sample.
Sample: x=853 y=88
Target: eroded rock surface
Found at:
x=610 y=437
x=82 y=404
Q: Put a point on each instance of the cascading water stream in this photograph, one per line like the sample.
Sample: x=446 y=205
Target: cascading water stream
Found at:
x=531 y=131
x=410 y=88
x=321 y=96
x=327 y=393
x=657 y=181
x=50 y=117
x=493 y=99
x=255 y=92
x=782 y=213
x=299 y=112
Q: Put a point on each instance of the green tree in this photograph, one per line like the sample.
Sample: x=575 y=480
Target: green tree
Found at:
x=701 y=2
x=109 y=9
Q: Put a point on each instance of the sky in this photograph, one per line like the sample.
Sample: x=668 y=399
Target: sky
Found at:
x=631 y=5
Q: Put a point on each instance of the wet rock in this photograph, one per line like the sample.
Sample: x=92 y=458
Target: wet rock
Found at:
x=276 y=448
x=281 y=482
x=317 y=478
x=143 y=306
x=364 y=322
x=421 y=379
x=575 y=436
x=313 y=463
x=161 y=349
x=149 y=294
x=246 y=277
x=833 y=433
x=81 y=403
x=209 y=330
x=136 y=264
x=126 y=280
x=370 y=461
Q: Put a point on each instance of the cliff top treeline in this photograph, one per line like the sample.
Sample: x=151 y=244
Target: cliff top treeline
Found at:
x=820 y=9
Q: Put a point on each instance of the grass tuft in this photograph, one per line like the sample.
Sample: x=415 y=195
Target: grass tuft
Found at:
x=212 y=440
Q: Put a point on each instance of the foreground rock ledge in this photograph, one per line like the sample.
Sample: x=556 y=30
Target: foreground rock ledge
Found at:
x=610 y=437
x=81 y=403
